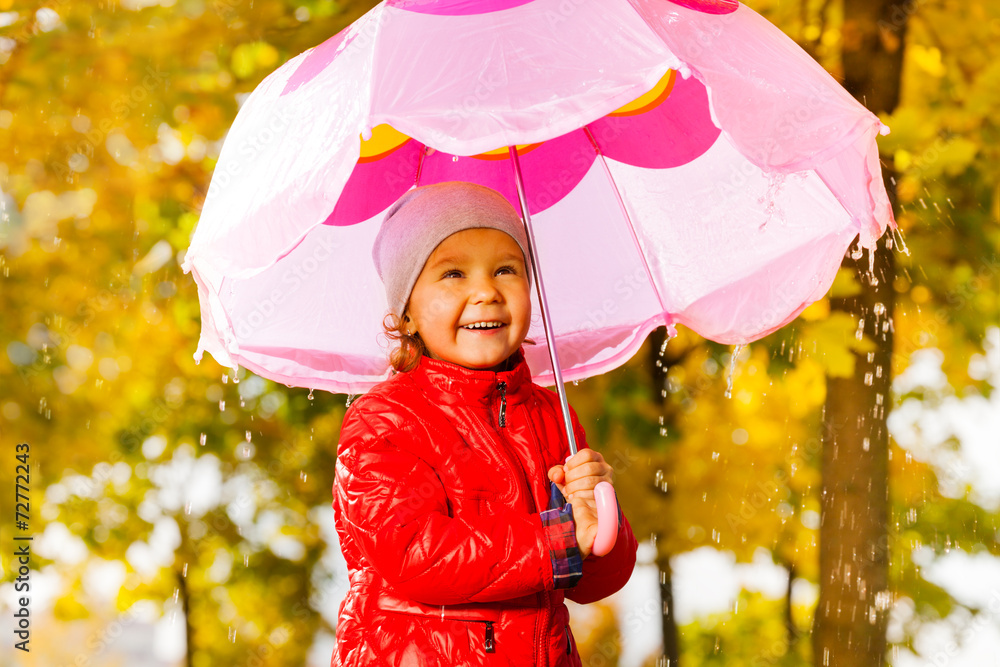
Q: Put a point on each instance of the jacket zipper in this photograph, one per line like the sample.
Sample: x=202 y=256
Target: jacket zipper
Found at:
x=502 y=386
x=489 y=643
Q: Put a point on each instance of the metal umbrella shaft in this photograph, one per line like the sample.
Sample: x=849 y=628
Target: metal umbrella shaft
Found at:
x=546 y=321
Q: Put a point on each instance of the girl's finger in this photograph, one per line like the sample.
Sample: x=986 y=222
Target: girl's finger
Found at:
x=557 y=474
x=593 y=469
x=585 y=455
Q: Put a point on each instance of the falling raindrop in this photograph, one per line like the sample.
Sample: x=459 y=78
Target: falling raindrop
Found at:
x=222 y=406
x=246 y=560
x=659 y=477
x=900 y=242
x=866 y=444
x=732 y=367
x=232 y=634
x=576 y=382
x=856 y=253
x=454 y=158
x=225 y=378
x=248 y=435
x=202 y=439
x=860 y=333
x=184 y=572
x=236 y=378
x=177 y=592
x=869 y=377
x=187 y=507
x=302 y=475
x=879 y=308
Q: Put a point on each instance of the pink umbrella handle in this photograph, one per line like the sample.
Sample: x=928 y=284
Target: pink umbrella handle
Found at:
x=607 y=519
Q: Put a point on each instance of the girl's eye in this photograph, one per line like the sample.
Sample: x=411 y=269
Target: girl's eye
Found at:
x=508 y=268
x=454 y=272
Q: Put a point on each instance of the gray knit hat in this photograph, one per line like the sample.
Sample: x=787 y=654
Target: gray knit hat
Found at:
x=424 y=217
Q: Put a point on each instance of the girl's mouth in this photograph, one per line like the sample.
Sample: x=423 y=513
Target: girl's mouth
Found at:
x=484 y=327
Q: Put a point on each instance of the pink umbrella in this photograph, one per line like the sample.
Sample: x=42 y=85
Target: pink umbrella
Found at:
x=680 y=162
x=691 y=165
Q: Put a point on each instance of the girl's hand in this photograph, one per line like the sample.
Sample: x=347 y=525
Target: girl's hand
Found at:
x=576 y=481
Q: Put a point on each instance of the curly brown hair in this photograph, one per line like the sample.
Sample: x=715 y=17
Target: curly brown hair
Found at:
x=406 y=355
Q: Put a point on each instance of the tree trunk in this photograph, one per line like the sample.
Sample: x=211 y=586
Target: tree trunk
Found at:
x=671 y=648
x=851 y=613
x=188 y=635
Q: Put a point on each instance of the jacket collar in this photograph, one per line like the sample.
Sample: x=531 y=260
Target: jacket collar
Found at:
x=451 y=383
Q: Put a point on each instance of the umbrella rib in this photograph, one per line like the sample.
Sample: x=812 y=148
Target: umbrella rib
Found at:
x=667 y=319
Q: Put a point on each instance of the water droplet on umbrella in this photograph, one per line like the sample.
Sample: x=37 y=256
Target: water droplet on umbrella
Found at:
x=856 y=253
x=350 y=399
x=310 y=396
x=454 y=158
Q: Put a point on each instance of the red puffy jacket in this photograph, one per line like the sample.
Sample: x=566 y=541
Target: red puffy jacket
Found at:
x=439 y=497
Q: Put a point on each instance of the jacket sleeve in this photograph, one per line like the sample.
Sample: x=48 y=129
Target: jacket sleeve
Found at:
x=393 y=506
x=604 y=575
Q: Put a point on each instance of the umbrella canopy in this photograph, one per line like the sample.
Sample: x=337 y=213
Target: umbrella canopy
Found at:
x=683 y=162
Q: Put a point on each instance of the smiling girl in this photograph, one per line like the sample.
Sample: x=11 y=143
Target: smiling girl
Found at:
x=462 y=529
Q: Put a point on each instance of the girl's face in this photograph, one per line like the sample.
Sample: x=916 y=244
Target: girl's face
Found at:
x=474 y=276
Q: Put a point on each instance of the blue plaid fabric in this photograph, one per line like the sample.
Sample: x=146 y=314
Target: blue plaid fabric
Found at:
x=560 y=529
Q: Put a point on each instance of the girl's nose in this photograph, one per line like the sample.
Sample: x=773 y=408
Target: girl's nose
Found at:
x=484 y=289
